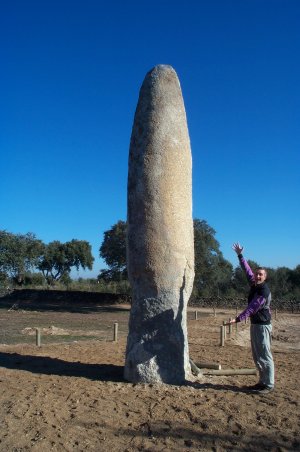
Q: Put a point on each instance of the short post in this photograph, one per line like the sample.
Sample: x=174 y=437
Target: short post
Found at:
x=222 y=335
x=230 y=326
x=214 y=366
x=196 y=315
x=215 y=312
x=38 y=337
x=116 y=332
x=236 y=327
x=224 y=324
x=195 y=370
x=236 y=310
x=276 y=314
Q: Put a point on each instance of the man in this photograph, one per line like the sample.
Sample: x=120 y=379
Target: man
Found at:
x=258 y=310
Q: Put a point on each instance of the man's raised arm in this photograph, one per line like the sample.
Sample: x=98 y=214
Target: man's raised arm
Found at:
x=244 y=264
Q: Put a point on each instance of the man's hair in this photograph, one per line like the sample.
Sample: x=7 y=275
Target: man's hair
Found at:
x=262 y=268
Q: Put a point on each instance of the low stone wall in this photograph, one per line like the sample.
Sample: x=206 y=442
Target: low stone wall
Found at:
x=56 y=299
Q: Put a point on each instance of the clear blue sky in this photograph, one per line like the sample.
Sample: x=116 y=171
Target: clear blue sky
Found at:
x=69 y=82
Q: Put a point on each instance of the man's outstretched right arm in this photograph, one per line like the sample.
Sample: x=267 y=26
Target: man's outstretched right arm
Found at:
x=244 y=264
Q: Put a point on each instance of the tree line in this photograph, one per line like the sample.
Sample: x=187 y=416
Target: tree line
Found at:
x=24 y=259
x=214 y=275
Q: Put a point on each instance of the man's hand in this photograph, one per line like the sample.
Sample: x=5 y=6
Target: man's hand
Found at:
x=237 y=248
x=230 y=322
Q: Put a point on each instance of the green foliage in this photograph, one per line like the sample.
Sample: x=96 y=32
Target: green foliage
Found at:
x=59 y=258
x=66 y=280
x=34 y=279
x=93 y=285
x=280 y=282
x=4 y=280
x=19 y=254
x=294 y=279
x=122 y=286
x=295 y=276
x=113 y=251
x=214 y=275
x=212 y=271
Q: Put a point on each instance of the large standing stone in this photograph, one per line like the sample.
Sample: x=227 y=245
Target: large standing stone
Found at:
x=160 y=246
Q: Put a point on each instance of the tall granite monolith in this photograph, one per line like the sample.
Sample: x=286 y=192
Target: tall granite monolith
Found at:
x=160 y=245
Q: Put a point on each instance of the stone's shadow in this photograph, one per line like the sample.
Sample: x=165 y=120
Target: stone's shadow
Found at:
x=194 y=437
x=101 y=372
x=54 y=366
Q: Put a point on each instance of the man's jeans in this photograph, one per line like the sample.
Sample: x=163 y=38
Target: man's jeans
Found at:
x=261 y=351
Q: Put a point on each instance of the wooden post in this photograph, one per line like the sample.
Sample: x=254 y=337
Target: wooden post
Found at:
x=236 y=327
x=38 y=337
x=236 y=310
x=230 y=326
x=276 y=314
x=224 y=323
x=215 y=312
x=195 y=370
x=230 y=372
x=116 y=332
x=209 y=366
x=196 y=315
x=222 y=336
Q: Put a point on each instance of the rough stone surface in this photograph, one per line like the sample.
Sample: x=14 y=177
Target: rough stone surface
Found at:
x=160 y=248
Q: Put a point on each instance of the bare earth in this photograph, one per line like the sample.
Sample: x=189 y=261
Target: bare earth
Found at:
x=69 y=394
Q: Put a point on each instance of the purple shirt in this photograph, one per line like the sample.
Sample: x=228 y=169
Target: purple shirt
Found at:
x=258 y=301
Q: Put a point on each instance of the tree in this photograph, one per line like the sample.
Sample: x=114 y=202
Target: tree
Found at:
x=212 y=272
x=19 y=253
x=113 y=252
x=295 y=282
x=214 y=275
x=295 y=276
x=280 y=282
x=224 y=277
x=59 y=258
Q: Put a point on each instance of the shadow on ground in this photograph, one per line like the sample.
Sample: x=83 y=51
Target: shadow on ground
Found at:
x=101 y=372
x=54 y=366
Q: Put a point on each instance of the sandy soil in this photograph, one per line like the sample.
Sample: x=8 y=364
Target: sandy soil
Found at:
x=70 y=395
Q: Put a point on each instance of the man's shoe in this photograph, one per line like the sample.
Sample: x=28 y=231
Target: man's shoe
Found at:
x=264 y=390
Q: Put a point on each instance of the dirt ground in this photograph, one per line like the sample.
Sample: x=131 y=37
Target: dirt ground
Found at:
x=69 y=394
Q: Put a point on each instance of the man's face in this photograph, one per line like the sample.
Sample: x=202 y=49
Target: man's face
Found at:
x=260 y=276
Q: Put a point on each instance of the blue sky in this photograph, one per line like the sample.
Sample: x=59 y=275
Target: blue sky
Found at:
x=69 y=83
